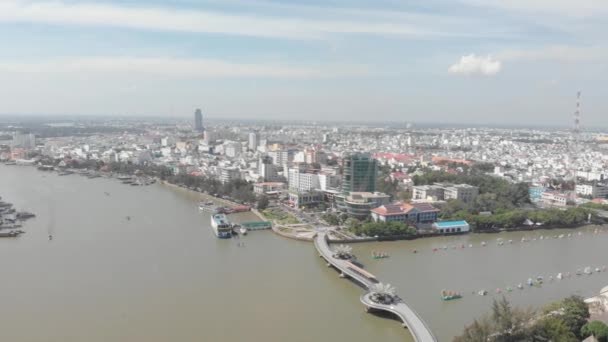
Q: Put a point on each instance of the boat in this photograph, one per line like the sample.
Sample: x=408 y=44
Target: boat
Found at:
x=23 y=215
x=379 y=255
x=208 y=207
x=482 y=292
x=520 y=286
x=449 y=295
x=588 y=270
x=221 y=226
x=483 y=243
x=530 y=282
x=559 y=276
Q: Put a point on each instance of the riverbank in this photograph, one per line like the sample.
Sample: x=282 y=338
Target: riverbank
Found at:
x=201 y=196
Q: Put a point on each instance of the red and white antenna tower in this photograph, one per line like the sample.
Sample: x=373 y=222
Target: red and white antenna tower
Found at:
x=577 y=117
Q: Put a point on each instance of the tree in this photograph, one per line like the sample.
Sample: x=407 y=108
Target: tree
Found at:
x=331 y=219
x=596 y=328
x=553 y=328
x=263 y=202
x=573 y=311
x=478 y=331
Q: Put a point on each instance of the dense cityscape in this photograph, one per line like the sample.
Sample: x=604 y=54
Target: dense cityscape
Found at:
x=304 y=171
x=347 y=182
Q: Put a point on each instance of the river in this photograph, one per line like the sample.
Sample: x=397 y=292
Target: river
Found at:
x=162 y=275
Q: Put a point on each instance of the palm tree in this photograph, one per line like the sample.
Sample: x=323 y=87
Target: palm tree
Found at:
x=383 y=293
x=343 y=252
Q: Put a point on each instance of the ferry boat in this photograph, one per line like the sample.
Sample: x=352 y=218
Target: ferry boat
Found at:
x=221 y=226
x=449 y=295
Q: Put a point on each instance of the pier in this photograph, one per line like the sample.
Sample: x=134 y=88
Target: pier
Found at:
x=411 y=320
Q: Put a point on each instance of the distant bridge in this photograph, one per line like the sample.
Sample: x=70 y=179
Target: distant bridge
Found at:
x=411 y=320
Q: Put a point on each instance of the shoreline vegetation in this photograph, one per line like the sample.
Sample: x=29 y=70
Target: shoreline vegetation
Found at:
x=567 y=320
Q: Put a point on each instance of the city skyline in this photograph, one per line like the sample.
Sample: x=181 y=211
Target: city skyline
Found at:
x=468 y=61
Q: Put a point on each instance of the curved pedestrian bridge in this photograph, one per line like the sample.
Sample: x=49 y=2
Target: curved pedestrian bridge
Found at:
x=418 y=328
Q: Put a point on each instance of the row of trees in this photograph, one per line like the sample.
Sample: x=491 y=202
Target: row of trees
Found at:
x=382 y=229
x=516 y=218
x=494 y=193
x=238 y=189
x=564 y=321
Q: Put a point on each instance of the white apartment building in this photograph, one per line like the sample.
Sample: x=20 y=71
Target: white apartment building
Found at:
x=279 y=157
x=462 y=192
x=301 y=180
x=593 y=190
x=228 y=174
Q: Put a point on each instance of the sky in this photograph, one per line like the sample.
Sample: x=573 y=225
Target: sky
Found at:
x=433 y=61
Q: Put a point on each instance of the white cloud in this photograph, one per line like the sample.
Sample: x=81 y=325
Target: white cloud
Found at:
x=198 y=21
x=476 y=65
x=177 y=68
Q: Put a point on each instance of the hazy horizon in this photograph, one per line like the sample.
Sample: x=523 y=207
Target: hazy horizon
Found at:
x=464 y=61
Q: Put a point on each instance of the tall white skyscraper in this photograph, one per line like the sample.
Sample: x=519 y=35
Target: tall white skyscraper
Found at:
x=253 y=141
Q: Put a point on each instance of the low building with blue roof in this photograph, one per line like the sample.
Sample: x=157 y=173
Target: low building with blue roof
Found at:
x=449 y=227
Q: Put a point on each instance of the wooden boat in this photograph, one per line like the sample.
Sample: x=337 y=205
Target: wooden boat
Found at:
x=450 y=295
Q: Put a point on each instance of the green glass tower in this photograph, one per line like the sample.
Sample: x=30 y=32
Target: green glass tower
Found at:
x=359 y=173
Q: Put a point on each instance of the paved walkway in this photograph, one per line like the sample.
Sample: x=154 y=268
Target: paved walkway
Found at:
x=418 y=328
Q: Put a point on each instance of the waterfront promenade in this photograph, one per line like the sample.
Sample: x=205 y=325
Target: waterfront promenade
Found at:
x=417 y=327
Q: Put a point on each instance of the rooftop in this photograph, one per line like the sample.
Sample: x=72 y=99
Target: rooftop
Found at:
x=447 y=224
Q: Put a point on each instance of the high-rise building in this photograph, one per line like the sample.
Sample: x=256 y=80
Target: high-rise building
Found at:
x=360 y=171
x=228 y=174
x=253 y=141
x=24 y=140
x=279 y=157
x=267 y=169
x=198 y=120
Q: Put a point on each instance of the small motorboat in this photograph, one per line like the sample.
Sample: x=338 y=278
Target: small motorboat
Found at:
x=588 y=270
x=450 y=295
x=498 y=290
x=482 y=292
x=520 y=286
x=483 y=243
x=510 y=241
x=530 y=282
x=559 y=276
x=597 y=270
